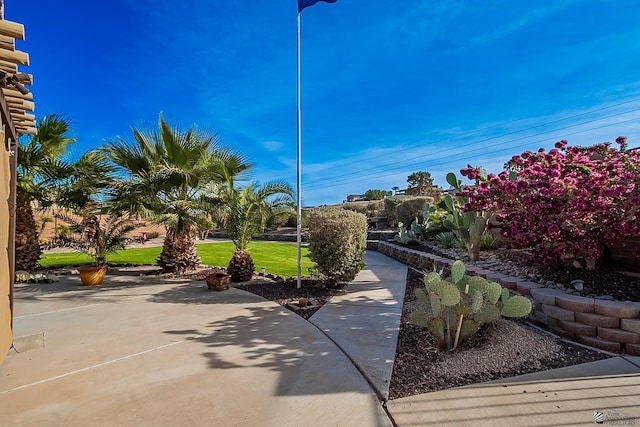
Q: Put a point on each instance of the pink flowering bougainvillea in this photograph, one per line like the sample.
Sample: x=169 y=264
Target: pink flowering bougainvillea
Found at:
x=567 y=204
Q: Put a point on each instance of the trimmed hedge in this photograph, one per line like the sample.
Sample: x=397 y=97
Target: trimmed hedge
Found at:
x=337 y=242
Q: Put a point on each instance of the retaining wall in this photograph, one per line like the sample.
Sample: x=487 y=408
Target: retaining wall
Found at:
x=608 y=325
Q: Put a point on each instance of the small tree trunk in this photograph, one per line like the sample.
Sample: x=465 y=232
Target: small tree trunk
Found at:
x=179 y=253
x=27 y=246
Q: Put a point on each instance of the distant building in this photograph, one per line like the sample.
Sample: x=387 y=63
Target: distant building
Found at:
x=355 y=198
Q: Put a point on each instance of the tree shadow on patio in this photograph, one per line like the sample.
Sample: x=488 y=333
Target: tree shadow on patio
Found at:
x=270 y=337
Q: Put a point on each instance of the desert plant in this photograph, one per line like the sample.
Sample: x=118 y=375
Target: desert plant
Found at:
x=407 y=236
x=461 y=304
x=418 y=230
x=168 y=175
x=39 y=168
x=245 y=213
x=468 y=225
x=488 y=241
x=337 y=242
x=101 y=237
x=447 y=239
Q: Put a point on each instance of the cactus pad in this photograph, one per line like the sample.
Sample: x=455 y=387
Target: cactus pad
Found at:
x=477 y=301
x=436 y=327
x=436 y=305
x=505 y=295
x=449 y=294
x=421 y=295
x=494 y=291
x=477 y=283
x=487 y=314
x=517 y=306
x=468 y=328
x=457 y=271
x=464 y=307
x=431 y=281
x=419 y=318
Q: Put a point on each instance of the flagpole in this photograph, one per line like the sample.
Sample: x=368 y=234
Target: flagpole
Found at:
x=299 y=170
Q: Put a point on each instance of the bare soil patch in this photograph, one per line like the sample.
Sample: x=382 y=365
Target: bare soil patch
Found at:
x=501 y=350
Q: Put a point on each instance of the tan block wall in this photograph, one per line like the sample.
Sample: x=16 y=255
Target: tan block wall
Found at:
x=5 y=312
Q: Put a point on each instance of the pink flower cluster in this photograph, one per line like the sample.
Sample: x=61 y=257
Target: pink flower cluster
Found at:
x=568 y=204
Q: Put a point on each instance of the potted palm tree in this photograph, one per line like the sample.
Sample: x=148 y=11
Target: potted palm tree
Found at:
x=100 y=240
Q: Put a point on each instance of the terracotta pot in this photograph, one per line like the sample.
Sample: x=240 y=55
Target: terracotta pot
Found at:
x=91 y=276
x=218 y=281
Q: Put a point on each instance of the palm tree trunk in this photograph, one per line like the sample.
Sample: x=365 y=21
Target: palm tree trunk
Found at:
x=179 y=253
x=27 y=246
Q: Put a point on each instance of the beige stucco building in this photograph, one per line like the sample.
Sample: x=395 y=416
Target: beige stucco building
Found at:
x=15 y=101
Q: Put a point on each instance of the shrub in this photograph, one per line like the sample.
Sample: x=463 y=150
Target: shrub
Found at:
x=390 y=205
x=568 y=204
x=376 y=206
x=337 y=242
x=376 y=194
x=153 y=235
x=410 y=209
x=292 y=221
x=461 y=304
x=355 y=207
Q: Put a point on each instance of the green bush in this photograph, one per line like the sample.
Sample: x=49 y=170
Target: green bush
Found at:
x=337 y=241
x=410 y=209
x=390 y=204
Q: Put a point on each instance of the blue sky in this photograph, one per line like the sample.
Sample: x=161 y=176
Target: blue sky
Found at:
x=388 y=87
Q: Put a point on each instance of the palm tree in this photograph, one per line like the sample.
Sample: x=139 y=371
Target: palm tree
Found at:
x=166 y=175
x=245 y=213
x=39 y=168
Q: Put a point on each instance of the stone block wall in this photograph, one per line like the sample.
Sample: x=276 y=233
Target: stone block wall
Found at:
x=608 y=325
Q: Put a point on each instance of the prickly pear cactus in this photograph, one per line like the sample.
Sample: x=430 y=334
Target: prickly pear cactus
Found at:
x=461 y=304
x=517 y=306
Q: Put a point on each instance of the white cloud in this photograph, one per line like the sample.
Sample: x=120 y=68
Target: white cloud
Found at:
x=273 y=145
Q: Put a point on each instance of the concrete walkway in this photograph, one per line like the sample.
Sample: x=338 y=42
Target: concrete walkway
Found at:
x=141 y=351
x=135 y=352
x=365 y=321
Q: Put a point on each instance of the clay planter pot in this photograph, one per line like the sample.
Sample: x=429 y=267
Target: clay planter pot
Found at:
x=218 y=281
x=91 y=276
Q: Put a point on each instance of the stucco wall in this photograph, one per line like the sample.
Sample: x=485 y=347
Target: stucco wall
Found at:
x=5 y=313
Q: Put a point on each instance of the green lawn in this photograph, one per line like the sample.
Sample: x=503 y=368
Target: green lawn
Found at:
x=279 y=257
